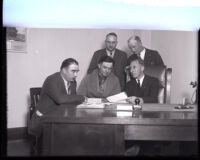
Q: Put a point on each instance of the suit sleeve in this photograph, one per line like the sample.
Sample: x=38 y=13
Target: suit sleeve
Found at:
x=93 y=63
x=82 y=89
x=153 y=92
x=127 y=87
x=159 y=60
x=54 y=91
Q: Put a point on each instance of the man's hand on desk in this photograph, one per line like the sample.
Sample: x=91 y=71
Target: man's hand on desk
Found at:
x=86 y=100
x=132 y=100
x=39 y=113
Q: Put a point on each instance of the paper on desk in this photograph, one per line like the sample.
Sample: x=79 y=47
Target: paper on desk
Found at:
x=117 y=97
x=92 y=103
x=127 y=107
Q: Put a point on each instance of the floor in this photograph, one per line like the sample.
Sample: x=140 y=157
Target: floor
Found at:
x=22 y=147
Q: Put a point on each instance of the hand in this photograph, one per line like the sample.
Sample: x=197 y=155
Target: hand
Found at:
x=38 y=113
x=104 y=100
x=86 y=100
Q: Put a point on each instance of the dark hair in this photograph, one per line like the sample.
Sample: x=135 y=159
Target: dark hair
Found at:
x=140 y=61
x=106 y=59
x=137 y=38
x=111 y=34
x=67 y=62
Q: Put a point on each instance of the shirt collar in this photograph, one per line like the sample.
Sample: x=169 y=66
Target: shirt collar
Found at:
x=65 y=81
x=142 y=53
x=108 y=53
x=141 y=80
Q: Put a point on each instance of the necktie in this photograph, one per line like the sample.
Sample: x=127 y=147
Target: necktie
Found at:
x=110 y=53
x=138 y=83
x=101 y=82
x=138 y=88
x=69 y=88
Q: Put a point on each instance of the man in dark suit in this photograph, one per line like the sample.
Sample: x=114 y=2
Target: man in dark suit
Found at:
x=119 y=57
x=58 y=88
x=141 y=86
x=146 y=89
x=150 y=57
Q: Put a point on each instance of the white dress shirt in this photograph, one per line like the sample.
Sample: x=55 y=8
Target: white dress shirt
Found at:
x=142 y=54
x=67 y=84
x=141 y=80
x=109 y=54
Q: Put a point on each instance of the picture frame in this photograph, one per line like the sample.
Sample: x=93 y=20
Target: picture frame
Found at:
x=16 y=39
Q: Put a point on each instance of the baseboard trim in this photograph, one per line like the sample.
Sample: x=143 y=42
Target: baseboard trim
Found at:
x=17 y=133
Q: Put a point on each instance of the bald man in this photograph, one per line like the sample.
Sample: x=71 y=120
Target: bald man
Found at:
x=150 y=57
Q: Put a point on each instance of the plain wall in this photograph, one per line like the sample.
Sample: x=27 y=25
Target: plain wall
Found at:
x=47 y=48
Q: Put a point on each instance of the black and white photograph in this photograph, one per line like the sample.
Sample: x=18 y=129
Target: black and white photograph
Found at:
x=16 y=39
x=103 y=92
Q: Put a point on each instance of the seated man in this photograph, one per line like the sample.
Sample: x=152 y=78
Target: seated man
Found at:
x=146 y=89
x=101 y=82
x=58 y=88
x=141 y=86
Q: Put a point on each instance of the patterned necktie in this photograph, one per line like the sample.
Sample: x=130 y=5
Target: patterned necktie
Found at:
x=101 y=82
x=110 y=53
x=69 y=88
x=138 y=88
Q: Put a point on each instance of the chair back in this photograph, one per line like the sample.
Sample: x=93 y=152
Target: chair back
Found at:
x=163 y=74
x=35 y=96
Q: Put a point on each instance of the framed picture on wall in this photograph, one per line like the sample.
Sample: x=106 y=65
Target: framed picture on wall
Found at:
x=16 y=39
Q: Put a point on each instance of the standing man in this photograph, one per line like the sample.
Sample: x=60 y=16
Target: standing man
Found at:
x=150 y=57
x=101 y=82
x=58 y=88
x=119 y=57
x=141 y=86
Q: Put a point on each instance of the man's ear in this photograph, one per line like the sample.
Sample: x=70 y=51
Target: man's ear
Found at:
x=142 y=68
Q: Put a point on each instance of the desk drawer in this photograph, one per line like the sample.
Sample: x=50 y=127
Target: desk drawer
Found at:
x=160 y=133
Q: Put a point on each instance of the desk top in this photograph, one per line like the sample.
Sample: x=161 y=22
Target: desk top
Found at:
x=151 y=114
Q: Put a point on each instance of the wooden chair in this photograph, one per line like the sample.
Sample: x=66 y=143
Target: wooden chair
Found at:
x=164 y=75
x=34 y=95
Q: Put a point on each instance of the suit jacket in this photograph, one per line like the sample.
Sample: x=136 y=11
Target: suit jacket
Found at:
x=151 y=58
x=90 y=86
x=54 y=93
x=120 y=59
x=148 y=91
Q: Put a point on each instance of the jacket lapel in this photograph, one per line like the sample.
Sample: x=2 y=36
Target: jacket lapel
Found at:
x=144 y=83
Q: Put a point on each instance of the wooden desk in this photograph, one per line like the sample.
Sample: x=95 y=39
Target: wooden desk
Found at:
x=71 y=131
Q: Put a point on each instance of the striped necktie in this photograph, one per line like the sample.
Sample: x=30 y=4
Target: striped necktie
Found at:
x=69 y=88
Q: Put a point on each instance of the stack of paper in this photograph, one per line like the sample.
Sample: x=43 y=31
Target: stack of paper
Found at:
x=125 y=107
x=117 y=97
x=92 y=103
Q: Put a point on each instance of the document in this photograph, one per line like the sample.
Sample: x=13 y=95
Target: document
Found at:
x=92 y=103
x=117 y=97
x=125 y=107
